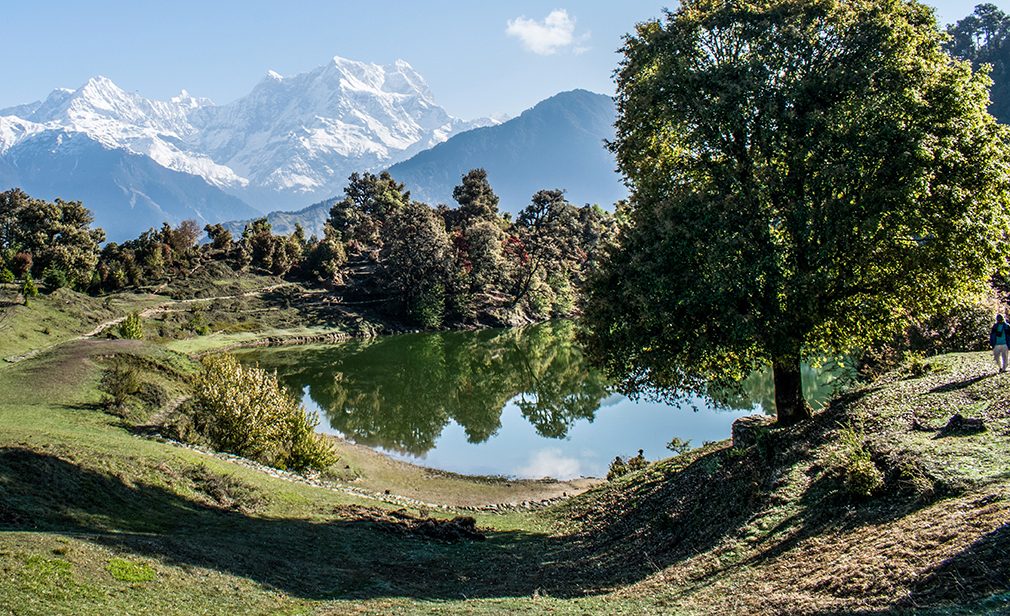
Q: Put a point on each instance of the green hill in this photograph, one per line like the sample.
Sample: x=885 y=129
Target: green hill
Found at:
x=98 y=516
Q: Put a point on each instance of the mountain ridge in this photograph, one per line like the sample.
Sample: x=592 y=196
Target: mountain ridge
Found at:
x=557 y=143
x=515 y=156
x=291 y=140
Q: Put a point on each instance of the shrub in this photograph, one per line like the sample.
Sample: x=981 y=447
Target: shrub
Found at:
x=119 y=383
x=54 y=278
x=21 y=264
x=246 y=411
x=854 y=464
x=28 y=289
x=429 y=307
x=199 y=325
x=6 y=275
x=678 y=445
x=619 y=467
x=916 y=364
x=132 y=328
x=152 y=395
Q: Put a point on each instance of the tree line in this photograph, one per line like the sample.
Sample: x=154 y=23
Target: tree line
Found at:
x=429 y=266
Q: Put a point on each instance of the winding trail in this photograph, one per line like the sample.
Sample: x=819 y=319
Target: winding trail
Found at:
x=162 y=308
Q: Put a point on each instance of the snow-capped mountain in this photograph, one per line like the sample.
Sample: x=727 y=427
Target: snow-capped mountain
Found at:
x=558 y=143
x=305 y=134
x=289 y=141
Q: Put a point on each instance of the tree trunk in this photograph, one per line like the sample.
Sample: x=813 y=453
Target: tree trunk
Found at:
x=790 y=407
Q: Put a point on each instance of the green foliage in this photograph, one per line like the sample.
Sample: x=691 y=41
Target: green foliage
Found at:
x=130 y=571
x=368 y=201
x=804 y=175
x=155 y=255
x=546 y=242
x=984 y=38
x=246 y=411
x=619 y=468
x=326 y=257
x=678 y=445
x=963 y=326
x=428 y=307
x=54 y=278
x=275 y=253
x=482 y=243
x=132 y=327
x=28 y=288
x=199 y=325
x=220 y=237
x=54 y=235
x=120 y=383
x=6 y=276
x=916 y=364
x=854 y=464
x=415 y=263
x=477 y=200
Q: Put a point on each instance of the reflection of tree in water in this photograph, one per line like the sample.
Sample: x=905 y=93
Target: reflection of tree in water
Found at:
x=759 y=388
x=563 y=388
x=400 y=392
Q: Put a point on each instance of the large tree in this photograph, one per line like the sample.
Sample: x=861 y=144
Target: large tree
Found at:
x=803 y=174
x=415 y=262
x=368 y=201
x=477 y=200
x=57 y=235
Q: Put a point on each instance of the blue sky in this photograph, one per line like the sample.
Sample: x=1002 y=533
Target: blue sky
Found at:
x=479 y=57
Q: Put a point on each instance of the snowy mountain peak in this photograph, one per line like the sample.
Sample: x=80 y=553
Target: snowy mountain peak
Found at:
x=291 y=138
x=185 y=100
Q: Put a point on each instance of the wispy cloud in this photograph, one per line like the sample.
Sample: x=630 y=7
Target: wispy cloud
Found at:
x=550 y=463
x=555 y=33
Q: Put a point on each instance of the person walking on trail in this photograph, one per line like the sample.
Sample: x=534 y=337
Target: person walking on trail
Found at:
x=999 y=337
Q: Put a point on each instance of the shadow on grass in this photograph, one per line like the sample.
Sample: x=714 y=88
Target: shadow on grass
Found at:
x=958 y=385
x=981 y=569
x=347 y=554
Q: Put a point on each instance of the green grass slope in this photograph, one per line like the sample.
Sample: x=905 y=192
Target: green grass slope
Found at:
x=98 y=518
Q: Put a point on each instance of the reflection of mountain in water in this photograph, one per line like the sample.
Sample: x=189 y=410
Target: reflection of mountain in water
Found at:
x=400 y=392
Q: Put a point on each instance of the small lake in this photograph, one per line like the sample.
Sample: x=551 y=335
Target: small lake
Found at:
x=515 y=402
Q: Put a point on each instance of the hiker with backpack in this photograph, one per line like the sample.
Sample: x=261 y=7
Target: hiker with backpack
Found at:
x=999 y=337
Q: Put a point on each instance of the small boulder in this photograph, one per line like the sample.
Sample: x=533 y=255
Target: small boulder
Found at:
x=747 y=430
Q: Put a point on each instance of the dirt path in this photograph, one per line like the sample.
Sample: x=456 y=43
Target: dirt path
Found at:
x=165 y=307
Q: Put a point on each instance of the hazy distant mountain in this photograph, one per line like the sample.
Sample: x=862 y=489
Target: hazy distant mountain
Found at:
x=288 y=142
x=311 y=218
x=127 y=192
x=559 y=143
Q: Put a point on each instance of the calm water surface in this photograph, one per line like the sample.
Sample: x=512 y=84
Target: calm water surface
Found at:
x=517 y=402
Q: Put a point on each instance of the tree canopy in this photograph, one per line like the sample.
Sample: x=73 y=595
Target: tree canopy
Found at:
x=804 y=175
x=54 y=238
x=984 y=38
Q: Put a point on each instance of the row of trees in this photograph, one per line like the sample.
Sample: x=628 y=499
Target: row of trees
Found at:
x=467 y=264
